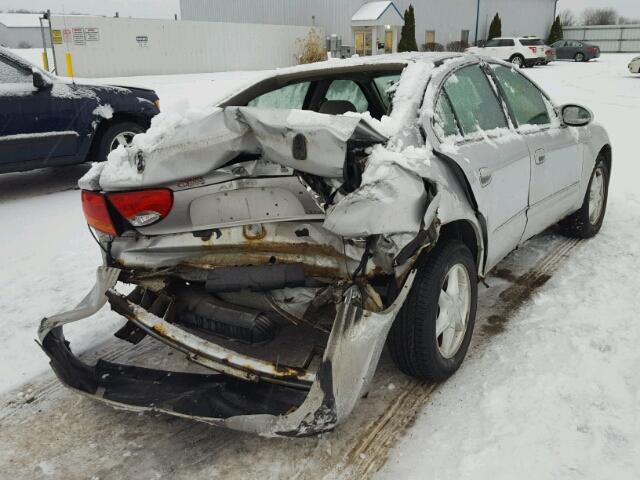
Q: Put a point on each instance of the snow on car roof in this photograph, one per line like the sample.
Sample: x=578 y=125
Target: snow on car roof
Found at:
x=20 y=19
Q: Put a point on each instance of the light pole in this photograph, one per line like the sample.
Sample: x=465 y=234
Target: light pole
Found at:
x=478 y=19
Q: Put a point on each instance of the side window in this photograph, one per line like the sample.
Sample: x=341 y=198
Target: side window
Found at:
x=473 y=100
x=445 y=120
x=507 y=43
x=386 y=86
x=525 y=100
x=493 y=43
x=289 y=97
x=350 y=91
x=11 y=74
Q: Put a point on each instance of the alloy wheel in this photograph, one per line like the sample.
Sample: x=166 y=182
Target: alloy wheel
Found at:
x=123 y=138
x=454 y=305
x=596 y=196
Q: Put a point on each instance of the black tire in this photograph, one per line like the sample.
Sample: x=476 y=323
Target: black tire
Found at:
x=517 y=58
x=579 y=224
x=579 y=57
x=412 y=340
x=107 y=137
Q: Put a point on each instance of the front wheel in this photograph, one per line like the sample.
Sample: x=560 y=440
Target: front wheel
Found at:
x=586 y=222
x=112 y=137
x=579 y=57
x=431 y=334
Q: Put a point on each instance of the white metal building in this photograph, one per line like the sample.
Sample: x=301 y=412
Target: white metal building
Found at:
x=21 y=30
x=437 y=21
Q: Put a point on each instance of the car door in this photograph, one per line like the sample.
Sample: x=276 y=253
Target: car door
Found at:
x=470 y=119
x=36 y=127
x=561 y=49
x=556 y=154
x=491 y=48
x=505 y=49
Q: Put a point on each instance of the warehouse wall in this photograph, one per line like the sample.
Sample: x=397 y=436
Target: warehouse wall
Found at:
x=12 y=36
x=448 y=18
x=519 y=17
x=123 y=46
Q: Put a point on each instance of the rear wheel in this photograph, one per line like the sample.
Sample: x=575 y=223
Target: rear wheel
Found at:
x=586 y=222
x=579 y=57
x=113 y=136
x=517 y=60
x=430 y=337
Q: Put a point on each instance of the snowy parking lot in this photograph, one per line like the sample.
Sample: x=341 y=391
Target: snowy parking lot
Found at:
x=550 y=388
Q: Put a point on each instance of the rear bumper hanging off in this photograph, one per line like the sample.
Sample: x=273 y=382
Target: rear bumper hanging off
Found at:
x=244 y=393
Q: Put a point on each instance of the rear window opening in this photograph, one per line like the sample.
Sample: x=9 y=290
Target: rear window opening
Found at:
x=332 y=94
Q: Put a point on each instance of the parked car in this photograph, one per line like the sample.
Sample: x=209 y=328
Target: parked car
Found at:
x=550 y=55
x=575 y=50
x=280 y=240
x=47 y=121
x=521 y=51
x=634 y=65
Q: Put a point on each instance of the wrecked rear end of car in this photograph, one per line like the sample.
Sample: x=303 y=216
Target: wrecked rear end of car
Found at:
x=272 y=248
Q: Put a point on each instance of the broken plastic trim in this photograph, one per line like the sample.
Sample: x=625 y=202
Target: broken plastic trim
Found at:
x=349 y=362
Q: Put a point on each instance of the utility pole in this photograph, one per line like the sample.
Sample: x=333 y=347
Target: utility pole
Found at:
x=478 y=19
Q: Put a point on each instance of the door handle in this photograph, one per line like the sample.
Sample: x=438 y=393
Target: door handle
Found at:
x=541 y=156
x=485 y=176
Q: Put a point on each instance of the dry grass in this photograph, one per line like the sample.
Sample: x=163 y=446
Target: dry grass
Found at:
x=311 y=49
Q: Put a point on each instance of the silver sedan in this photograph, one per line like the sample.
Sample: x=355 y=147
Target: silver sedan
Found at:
x=279 y=239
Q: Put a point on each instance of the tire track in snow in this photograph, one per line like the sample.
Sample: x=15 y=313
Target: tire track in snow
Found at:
x=380 y=436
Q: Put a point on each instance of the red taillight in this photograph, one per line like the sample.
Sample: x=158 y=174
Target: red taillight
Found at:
x=143 y=207
x=96 y=212
x=533 y=49
x=593 y=49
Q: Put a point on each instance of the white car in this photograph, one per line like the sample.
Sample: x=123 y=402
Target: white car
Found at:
x=634 y=66
x=521 y=51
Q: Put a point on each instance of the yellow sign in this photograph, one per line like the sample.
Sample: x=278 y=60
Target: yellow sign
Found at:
x=57 y=37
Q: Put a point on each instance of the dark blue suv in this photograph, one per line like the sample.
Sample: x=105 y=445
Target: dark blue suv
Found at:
x=46 y=121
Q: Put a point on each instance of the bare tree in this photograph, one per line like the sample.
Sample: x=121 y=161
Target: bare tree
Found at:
x=628 y=21
x=567 y=18
x=600 y=16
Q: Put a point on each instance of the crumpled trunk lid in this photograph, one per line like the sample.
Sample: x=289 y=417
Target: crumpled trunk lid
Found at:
x=306 y=141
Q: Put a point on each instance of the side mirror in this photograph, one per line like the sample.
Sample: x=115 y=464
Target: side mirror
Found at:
x=576 y=116
x=40 y=81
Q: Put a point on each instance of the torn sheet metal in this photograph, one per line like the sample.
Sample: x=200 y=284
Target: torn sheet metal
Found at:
x=347 y=366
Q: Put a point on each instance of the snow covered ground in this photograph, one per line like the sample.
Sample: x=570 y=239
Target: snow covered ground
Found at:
x=554 y=393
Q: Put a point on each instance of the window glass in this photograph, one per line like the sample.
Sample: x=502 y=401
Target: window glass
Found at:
x=525 y=100
x=445 y=121
x=289 y=97
x=507 y=43
x=386 y=86
x=530 y=42
x=11 y=74
x=349 y=91
x=493 y=43
x=474 y=101
x=464 y=36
